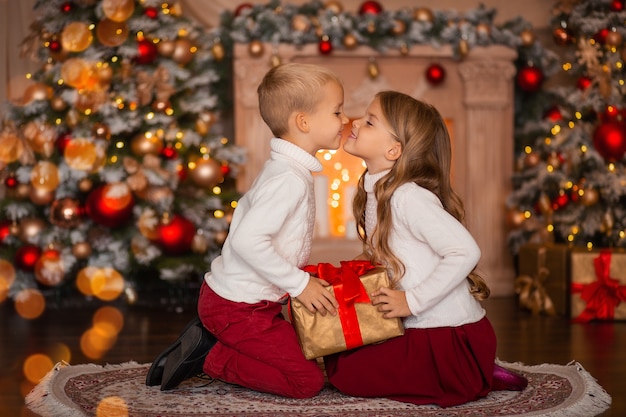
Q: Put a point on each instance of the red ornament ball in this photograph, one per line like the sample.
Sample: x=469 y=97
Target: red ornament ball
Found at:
x=609 y=139
x=67 y=7
x=62 y=142
x=435 y=74
x=27 y=256
x=560 y=201
x=146 y=52
x=175 y=236
x=241 y=8
x=325 y=46
x=600 y=37
x=370 y=7
x=5 y=229
x=583 y=83
x=225 y=168
x=151 y=12
x=54 y=46
x=10 y=182
x=109 y=208
x=617 y=5
x=554 y=114
x=169 y=152
x=529 y=79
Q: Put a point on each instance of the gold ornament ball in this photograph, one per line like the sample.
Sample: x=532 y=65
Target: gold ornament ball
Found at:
x=40 y=197
x=49 y=268
x=85 y=185
x=204 y=122
x=218 y=51
x=22 y=191
x=111 y=33
x=614 y=39
x=80 y=154
x=11 y=147
x=118 y=10
x=515 y=218
x=143 y=145
x=372 y=70
x=399 y=27
x=532 y=159
x=256 y=48
x=333 y=6
x=58 y=104
x=184 y=51
x=101 y=131
x=220 y=237
x=483 y=29
x=29 y=228
x=37 y=92
x=528 y=37
x=423 y=14
x=350 y=41
x=300 y=23
x=463 y=48
x=65 y=212
x=166 y=48
x=590 y=197
x=206 y=173
x=45 y=176
x=199 y=243
x=81 y=250
x=76 y=37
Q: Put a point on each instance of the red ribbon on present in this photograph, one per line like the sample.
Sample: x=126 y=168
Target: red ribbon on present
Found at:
x=348 y=290
x=603 y=295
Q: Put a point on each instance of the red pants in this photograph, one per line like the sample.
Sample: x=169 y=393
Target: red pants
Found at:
x=445 y=366
x=257 y=348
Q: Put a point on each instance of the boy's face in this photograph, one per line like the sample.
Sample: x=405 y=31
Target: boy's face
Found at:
x=328 y=120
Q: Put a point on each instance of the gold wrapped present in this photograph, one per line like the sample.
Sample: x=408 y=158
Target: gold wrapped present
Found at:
x=543 y=282
x=598 y=289
x=357 y=323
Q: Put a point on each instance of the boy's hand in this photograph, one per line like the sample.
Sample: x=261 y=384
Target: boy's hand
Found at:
x=391 y=302
x=317 y=299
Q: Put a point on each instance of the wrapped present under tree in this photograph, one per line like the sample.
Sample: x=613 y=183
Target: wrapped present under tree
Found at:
x=598 y=289
x=543 y=280
x=357 y=323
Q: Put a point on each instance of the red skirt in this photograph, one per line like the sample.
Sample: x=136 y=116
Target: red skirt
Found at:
x=445 y=366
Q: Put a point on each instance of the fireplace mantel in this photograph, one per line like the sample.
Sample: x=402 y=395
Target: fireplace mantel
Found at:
x=476 y=99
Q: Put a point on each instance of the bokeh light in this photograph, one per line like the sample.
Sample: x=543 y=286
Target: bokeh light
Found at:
x=30 y=303
x=36 y=366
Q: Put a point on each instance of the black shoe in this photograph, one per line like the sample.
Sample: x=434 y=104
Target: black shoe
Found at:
x=187 y=359
x=155 y=373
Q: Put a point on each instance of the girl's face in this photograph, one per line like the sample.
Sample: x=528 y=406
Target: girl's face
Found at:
x=372 y=140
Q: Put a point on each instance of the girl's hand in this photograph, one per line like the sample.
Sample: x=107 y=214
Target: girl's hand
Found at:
x=391 y=302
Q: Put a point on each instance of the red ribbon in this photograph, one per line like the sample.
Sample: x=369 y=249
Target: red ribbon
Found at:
x=348 y=290
x=603 y=295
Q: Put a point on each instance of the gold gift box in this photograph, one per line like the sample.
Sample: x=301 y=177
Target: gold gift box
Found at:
x=584 y=273
x=543 y=281
x=322 y=335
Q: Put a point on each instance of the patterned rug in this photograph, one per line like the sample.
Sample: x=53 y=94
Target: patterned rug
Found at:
x=119 y=390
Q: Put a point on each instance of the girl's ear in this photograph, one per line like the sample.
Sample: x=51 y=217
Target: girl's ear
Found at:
x=302 y=122
x=394 y=152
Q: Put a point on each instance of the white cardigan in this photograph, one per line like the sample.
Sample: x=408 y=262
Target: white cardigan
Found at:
x=438 y=253
x=271 y=231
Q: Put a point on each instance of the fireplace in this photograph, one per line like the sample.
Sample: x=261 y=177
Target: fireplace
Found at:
x=476 y=100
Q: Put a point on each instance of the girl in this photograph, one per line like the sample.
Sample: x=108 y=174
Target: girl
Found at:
x=411 y=222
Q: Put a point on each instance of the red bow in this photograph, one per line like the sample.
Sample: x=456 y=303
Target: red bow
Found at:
x=603 y=295
x=348 y=290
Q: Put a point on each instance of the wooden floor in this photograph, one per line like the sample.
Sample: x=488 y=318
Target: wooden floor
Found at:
x=148 y=328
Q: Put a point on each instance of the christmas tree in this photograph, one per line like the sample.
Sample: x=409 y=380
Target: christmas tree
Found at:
x=116 y=175
x=570 y=183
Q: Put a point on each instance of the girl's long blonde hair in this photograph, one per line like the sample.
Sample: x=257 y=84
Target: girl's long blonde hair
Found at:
x=426 y=161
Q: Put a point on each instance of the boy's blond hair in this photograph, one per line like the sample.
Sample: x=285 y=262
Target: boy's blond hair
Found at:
x=288 y=88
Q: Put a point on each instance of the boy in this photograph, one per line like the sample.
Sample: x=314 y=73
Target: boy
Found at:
x=241 y=300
